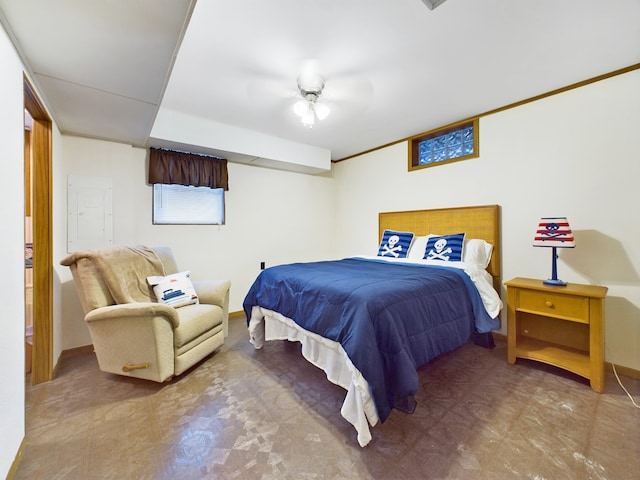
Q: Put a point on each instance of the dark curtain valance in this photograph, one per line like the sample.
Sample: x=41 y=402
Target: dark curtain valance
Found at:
x=181 y=168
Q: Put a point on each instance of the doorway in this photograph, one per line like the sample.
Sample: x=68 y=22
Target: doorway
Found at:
x=28 y=243
x=40 y=208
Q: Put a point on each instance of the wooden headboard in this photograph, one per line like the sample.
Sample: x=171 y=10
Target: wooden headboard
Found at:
x=476 y=222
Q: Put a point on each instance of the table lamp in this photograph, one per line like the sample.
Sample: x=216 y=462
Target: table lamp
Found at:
x=554 y=232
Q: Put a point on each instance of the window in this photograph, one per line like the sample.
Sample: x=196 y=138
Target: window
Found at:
x=188 y=188
x=187 y=205
x=451 y=144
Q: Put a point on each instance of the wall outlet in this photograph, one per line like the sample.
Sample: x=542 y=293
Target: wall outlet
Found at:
x=261 y=265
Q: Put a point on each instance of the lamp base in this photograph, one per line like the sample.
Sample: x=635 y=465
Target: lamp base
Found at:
x=554 y=271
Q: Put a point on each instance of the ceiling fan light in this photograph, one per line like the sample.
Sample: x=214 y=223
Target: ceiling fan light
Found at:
x=309 y=118
x=309 y=108
x=301 y=107
x=322 y=110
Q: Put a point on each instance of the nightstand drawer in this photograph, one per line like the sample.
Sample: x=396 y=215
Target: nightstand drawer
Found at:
x=558 y=305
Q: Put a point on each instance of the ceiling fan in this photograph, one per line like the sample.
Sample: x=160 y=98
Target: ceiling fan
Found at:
x=309 y=107
x=305 y=90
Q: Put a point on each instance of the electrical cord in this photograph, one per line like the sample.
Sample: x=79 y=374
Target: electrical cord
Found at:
x=620 y=382
x=625 y=390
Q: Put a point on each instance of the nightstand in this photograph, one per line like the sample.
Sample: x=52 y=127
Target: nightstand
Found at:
x=561 y=326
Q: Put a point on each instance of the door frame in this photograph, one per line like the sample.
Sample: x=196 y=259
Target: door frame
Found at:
x=41 y=211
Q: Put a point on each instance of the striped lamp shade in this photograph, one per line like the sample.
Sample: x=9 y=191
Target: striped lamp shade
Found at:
x=554 y=232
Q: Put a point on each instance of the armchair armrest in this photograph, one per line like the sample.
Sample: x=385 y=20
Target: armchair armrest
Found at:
x=142 y=310
x=213 y=292
x=135 y=339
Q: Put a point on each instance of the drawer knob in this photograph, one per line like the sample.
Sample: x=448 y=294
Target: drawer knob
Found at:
x=549 y=304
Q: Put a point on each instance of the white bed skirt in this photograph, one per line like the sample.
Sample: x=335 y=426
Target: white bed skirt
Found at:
x=358 y=407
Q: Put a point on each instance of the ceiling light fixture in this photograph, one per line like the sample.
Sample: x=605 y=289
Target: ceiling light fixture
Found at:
x=308 y=108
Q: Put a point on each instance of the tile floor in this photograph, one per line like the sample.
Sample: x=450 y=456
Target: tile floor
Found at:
x=268 y=414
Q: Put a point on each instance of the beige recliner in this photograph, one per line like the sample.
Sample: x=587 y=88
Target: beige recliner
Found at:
x=132 y=333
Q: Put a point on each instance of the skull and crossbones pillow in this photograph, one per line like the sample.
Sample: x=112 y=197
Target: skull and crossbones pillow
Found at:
x=395 y=244
x=446 y=248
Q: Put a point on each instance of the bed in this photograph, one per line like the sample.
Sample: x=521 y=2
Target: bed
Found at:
x=370 y=321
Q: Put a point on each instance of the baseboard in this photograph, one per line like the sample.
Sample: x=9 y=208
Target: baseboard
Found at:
x=16 y=461
x=239 y=313
x=72 y=352
x=499 y=336
x=625 y=371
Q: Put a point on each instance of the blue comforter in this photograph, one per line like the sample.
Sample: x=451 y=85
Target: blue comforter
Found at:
x=389 y=318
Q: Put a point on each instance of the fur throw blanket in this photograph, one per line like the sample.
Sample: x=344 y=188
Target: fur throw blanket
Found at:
x=124 y=270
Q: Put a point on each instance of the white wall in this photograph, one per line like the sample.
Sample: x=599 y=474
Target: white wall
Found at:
x=588 y=138
x=124 y=165
x=12 y=320
x=271 y=215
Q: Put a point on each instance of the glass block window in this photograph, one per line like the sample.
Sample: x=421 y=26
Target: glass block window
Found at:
x=457 y=142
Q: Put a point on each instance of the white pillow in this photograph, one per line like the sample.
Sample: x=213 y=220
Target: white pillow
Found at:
x=477 y=252
x=175 y=290
x=418 y=247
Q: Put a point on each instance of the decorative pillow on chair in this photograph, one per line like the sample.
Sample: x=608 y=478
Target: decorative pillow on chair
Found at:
x=395 y=244
x=175 y=290
x=447 y=248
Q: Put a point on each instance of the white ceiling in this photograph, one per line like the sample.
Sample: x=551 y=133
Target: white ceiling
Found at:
x=393 y=68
